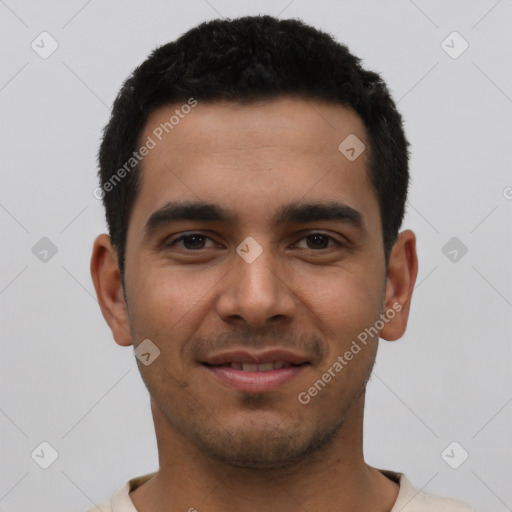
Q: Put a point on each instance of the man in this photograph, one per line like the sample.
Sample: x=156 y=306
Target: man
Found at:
x=254 y=177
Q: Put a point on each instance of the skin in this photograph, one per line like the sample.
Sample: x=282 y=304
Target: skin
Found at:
x=221 y=449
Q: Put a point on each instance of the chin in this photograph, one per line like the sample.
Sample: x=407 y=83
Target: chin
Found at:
x=264 y=448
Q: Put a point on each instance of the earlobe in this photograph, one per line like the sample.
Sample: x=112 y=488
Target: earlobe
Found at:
x=107 y=283
x=402 y=273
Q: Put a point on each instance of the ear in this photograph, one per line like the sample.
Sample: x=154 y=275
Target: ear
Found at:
x=106 y=277
x=402 y=273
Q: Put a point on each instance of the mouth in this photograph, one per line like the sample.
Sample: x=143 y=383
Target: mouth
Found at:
x=256 y=373
x=251 y=367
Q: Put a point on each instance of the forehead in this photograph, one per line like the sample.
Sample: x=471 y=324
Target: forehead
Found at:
x=252 y=157
x=304 y=126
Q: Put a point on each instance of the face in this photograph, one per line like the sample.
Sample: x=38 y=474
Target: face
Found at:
x=254 y=260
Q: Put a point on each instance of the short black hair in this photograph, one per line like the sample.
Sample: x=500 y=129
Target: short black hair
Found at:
x=245 y=60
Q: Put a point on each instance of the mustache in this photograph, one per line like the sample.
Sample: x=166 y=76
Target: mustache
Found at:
x=269 y=337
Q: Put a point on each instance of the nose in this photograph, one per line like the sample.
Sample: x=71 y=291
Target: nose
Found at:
x=257 y=292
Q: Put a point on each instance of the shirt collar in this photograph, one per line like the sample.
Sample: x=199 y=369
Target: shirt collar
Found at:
x=121 y=501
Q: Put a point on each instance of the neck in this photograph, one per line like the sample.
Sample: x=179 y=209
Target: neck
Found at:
x=334 y=479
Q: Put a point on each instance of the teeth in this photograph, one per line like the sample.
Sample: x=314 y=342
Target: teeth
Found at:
x=265 y=367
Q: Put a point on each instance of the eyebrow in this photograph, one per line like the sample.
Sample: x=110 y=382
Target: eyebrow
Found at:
x=288 y=214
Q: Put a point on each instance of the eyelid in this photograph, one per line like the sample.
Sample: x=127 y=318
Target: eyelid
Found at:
x=337 y=242
x=171 y=241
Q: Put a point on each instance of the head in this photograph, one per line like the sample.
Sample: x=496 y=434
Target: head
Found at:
x=243 y=61
x=242 y=122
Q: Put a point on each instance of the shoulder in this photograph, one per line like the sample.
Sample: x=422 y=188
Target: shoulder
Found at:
x=411 y=499
x=121 y=501
x=103 y=507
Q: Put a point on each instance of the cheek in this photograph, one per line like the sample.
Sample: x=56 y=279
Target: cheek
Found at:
x=341 y=307
x=168 y=304
x=343 y=301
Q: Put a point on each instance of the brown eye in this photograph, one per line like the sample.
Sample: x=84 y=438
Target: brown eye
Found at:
x=191 y=242
x=319 y=241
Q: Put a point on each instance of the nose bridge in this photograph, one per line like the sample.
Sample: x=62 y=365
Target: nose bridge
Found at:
x=257 y=273
x=255 y=290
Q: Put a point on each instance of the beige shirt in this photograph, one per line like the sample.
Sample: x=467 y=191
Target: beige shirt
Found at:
x=409 y=498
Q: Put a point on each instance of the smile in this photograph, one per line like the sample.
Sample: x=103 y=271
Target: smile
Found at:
x=256 y=372
x=250 y=367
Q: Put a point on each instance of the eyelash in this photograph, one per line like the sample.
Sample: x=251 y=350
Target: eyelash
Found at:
x=189 y=235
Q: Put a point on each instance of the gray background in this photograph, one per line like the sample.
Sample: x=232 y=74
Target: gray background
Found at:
x=66 y=382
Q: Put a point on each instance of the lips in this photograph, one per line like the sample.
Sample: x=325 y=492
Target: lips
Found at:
x=250 y=367
x=256 y=358
x=256 y=372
